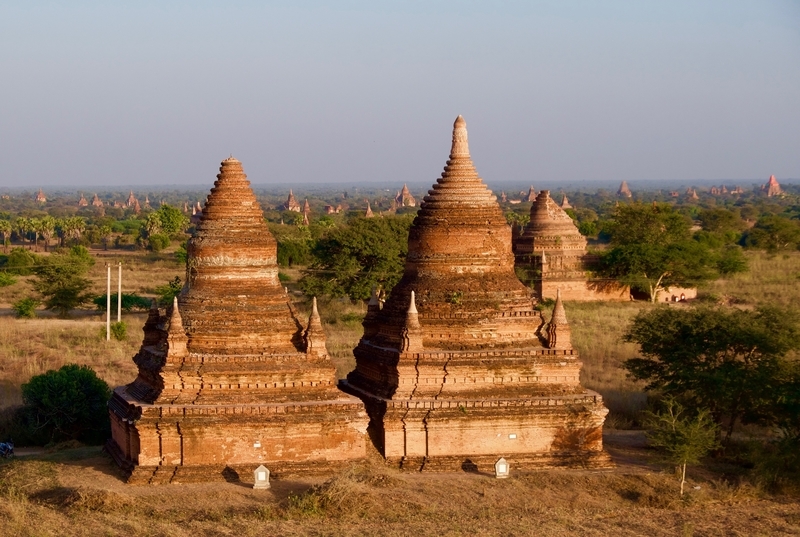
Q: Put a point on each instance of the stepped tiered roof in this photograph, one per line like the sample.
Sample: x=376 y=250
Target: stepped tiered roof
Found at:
x=459 y=343
x=233 y=339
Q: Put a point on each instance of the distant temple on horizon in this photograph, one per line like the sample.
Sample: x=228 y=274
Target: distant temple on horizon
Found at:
x=772 y=188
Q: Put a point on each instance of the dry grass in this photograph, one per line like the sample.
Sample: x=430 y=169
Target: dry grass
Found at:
x=142 y=272
x=772 y=278
x=80 y=493
x=32 y=347
x=597 y=329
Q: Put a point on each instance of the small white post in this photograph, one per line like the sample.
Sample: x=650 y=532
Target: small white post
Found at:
x=119 y=294
x=108 y=304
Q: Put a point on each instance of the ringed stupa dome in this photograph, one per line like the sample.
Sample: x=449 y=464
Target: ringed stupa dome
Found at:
x=461 y=265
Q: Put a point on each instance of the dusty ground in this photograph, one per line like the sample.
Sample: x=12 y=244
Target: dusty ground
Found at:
x=80 y=492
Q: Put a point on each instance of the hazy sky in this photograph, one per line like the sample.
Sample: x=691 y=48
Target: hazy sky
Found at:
x=110 y=93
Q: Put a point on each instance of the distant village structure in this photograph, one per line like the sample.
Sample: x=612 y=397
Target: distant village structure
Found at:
x=459 y=368
x=553 y=251
x=231 y=376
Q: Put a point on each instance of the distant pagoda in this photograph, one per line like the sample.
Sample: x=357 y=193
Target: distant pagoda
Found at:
x=772 y=188
x=624 y=190
x=292 y=203
x=404 y=198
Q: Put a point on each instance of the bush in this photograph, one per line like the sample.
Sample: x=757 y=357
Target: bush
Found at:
x=130 y=302
x=7 y=279
x=169 y=291
x=21 y=262
x=69 y=404
x=158 y=241
x=25 y=308
x=119 y=331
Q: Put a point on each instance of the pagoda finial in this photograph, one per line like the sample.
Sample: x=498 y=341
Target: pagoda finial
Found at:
x=176 y=336
x=559 y=333
x=412 y=306
x=411 y=333
x=314 y=335
x=460 y=146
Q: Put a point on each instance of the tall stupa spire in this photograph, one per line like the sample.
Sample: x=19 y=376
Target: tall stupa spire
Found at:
x=460 y=147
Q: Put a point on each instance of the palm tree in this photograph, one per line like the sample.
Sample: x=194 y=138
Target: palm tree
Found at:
x=21 y=226
x=5 y=232
x=46 y=228
x=34 y=225
x=105 y=235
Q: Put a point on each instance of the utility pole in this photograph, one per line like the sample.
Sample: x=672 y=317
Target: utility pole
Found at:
x=119 y=294
x=108 y=304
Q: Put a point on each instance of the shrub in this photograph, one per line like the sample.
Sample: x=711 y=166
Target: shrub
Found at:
x=20 y=261
x=158 y=241
x=25 y=308
x=130 y=302
x=169 y=291
x=7 y=279
x=69 y=404
x=119 y=330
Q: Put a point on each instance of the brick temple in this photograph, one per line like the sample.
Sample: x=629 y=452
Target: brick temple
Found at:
x=231 y=376
x=551 y=251
x=459 y=368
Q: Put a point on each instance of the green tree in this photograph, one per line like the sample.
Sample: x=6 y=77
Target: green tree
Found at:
x=720 y=220
x=104 y=232
x=682 y=438
x=351 y=260
x=652 y=249
x=172 y=219
x=46 y=227
x=728 y=361
x=773 y=233
x=61 y=280
x=21 y=261
x=69 y=404
x=34 y=224
x=5 y=233
x=22 y=226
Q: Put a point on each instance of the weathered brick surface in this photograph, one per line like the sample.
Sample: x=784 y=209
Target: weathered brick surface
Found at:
x=455 y=368
x=231 y=376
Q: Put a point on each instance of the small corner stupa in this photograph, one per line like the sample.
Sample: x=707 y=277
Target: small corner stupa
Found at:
x=455 y=370
x=230 y=376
